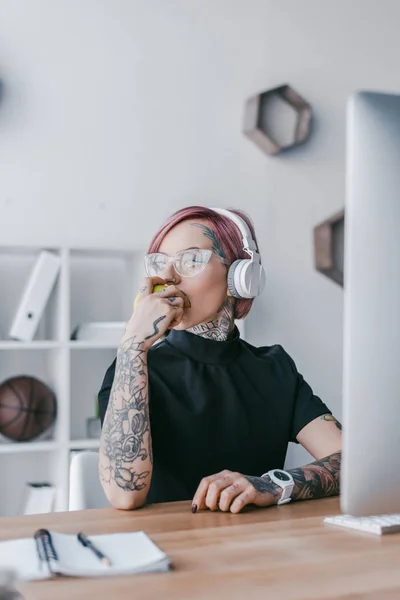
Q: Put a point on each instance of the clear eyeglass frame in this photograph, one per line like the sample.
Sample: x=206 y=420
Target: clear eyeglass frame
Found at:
x=198 y=258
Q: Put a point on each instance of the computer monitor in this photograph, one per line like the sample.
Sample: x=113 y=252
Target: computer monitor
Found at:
x=370 y=476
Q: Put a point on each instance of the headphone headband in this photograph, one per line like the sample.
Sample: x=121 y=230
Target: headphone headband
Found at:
x=247 y=238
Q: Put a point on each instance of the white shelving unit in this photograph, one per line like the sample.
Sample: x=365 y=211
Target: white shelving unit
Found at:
x=93 y=285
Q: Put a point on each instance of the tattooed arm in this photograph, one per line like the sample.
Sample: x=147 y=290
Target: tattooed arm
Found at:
x=317 y=480
x=126 y=458
x=322 y=437
x=230 y=491
x=125 y=462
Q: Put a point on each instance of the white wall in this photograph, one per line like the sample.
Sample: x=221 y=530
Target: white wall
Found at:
x=117 y=112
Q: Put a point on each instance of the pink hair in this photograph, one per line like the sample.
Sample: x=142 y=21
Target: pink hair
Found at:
x=227 y=233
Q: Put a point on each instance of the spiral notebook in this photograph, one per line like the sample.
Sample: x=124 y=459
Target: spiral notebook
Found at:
x=62 y=554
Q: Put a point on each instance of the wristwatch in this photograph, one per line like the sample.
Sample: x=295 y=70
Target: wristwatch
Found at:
x=285 y=481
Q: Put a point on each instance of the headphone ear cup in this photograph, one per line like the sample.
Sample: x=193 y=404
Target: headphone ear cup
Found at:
x=231 y=280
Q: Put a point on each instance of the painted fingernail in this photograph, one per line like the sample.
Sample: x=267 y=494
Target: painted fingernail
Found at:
x=194 y=508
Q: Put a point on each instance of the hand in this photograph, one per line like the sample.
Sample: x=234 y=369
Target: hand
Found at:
x=155 y=313
x=229 y=491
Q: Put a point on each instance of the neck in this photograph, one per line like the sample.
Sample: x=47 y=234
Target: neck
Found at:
x=219 y=328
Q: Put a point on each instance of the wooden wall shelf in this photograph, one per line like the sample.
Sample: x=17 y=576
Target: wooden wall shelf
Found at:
x=256 y=125
x=329 y=247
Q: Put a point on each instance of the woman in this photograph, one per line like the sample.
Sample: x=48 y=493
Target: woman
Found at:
x=202 y=414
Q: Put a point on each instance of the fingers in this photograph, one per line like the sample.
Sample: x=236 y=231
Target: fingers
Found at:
x=226 y=491
x=178 y=316
x=209 y=489
x=242 y=500
x=170 y=292
x=147 y=284
x=201 y=492
x=173 y=291
x=229 y=494
x=176 y=301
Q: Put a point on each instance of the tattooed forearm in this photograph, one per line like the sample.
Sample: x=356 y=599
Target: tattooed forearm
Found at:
x=125 y=449
x=317 y=480
x=331 y=418
x=156 y=330
x=220 y=328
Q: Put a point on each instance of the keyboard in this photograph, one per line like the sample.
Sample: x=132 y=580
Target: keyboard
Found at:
x=376 y=524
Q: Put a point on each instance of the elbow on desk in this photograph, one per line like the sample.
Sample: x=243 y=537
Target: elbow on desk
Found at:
x=125 y=500
x=118 y=497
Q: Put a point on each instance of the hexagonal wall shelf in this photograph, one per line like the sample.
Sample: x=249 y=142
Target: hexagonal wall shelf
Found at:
x=277 y=119
x=329 y=247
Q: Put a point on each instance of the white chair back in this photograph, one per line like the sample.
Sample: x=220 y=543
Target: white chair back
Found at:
x=85 y=489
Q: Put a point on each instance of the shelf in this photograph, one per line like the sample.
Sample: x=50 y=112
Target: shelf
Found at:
x=329 y=247
x=51 y=345
x=277 y=119
x=92 y=346
x=87 y=444
x=16 y=268
x=101 y=253
x=38 y=345
x=16 y=470
x=87 y=370
x=48 y=366
x=94 y=285
x=17 y=447
x=102 y=286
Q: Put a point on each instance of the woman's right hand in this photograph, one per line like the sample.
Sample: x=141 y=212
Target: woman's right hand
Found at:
x=155 y=313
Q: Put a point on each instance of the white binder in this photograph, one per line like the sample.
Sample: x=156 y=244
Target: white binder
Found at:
x=35 y=296
x=39 y=498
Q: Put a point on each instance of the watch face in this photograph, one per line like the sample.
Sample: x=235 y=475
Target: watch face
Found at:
x=281 y=475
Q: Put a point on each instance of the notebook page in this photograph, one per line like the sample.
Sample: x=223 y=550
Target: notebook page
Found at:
x=128 y=552
x=22 y=556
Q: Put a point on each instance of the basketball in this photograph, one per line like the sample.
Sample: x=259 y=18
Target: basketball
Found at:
x=27 y=408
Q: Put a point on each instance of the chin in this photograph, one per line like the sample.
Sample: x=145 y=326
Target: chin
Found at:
x=182 y=326
x=186 y=323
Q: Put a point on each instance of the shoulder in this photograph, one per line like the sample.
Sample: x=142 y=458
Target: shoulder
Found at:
x=272 y=354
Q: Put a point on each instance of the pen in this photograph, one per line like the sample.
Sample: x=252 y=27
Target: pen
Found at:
x=88 y=544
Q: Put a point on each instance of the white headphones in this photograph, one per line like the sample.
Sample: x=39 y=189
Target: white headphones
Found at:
x=246 y=276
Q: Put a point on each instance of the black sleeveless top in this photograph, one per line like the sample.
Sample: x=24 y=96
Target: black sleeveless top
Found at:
x=219 y=405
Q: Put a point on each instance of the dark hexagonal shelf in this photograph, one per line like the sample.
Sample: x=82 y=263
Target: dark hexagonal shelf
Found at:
x=269 y=113
x=329 y=247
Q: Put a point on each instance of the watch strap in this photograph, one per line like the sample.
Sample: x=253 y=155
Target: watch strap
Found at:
x=287 y=487
x=286 y=496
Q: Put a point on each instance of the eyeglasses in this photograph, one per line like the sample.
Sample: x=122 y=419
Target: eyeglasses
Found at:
x=187 y=263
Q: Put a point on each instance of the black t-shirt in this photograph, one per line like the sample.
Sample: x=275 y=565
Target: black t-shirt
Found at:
x=219 y=405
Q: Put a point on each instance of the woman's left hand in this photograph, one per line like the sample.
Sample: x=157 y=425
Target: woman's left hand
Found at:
x=229 y=491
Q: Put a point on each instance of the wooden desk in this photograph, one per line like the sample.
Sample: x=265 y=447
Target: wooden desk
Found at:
x=284 y=553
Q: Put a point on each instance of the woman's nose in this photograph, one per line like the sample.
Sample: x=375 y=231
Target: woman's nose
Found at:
x=170 y=276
